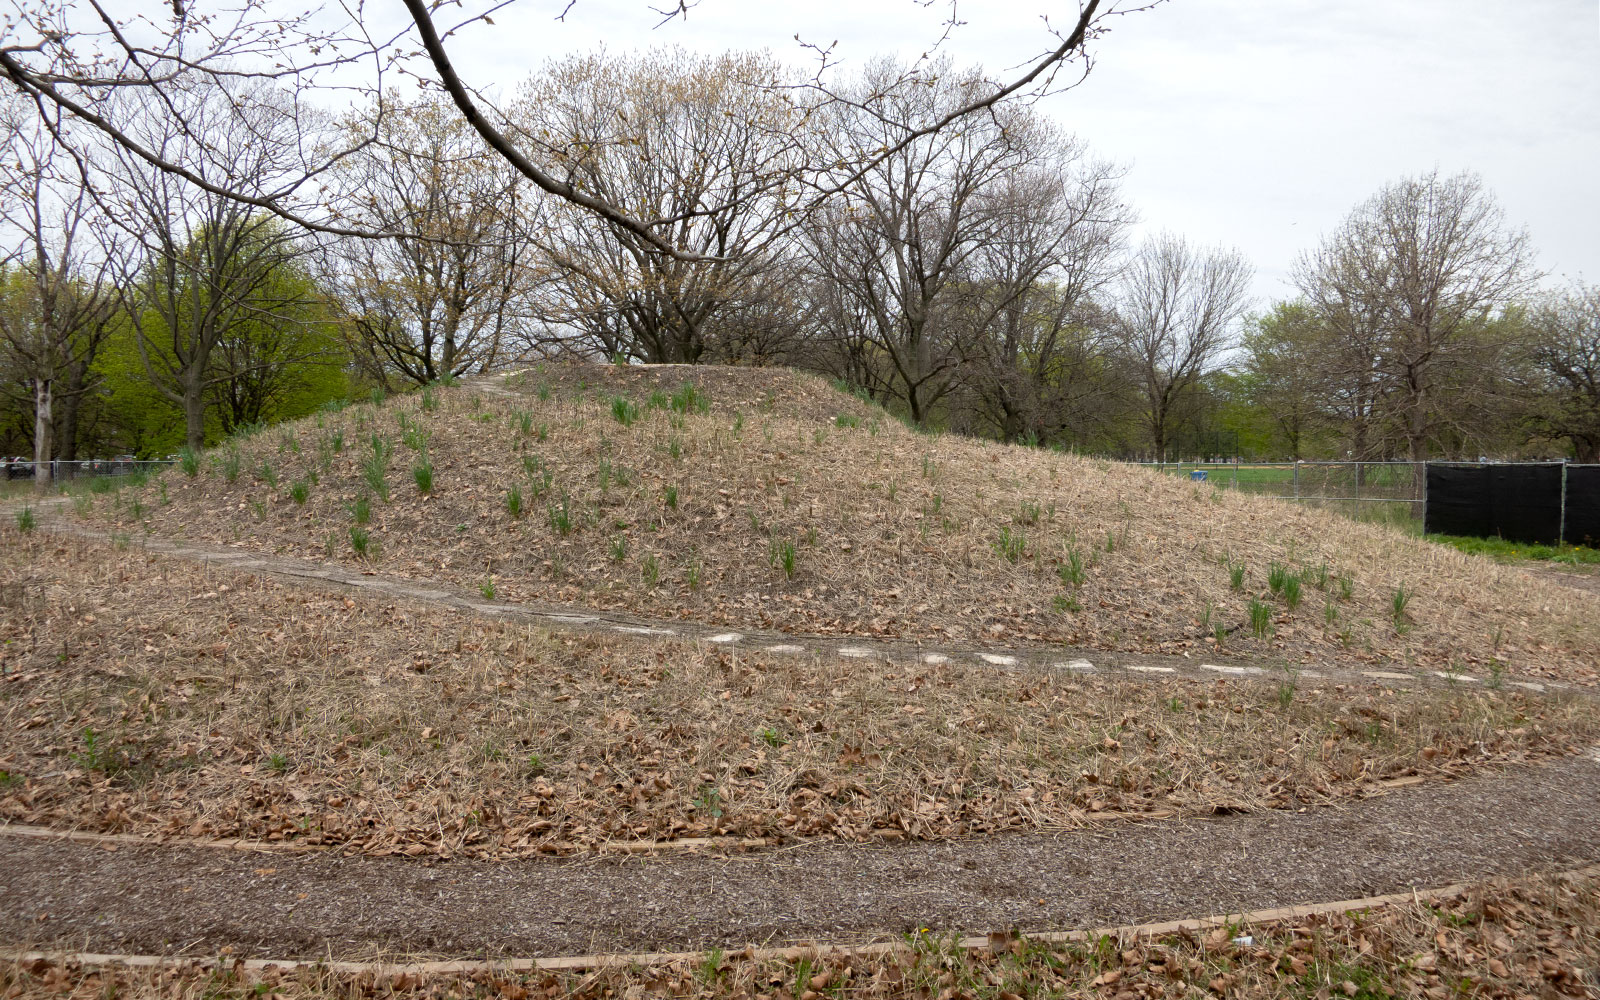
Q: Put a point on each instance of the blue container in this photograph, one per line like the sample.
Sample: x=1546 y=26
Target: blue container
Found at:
x=1198 y=475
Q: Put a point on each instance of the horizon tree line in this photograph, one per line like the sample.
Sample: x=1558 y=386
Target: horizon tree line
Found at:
x=981 y=278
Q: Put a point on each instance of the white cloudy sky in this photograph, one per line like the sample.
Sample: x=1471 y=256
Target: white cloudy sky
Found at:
x=1258 y=123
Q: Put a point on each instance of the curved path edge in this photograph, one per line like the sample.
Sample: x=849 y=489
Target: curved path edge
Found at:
x=793 y=953
x=155 y=898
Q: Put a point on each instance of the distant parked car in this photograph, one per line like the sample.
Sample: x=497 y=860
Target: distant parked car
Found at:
x=19 y=468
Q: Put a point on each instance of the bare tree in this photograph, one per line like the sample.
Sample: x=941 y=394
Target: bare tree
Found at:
x=74 y=58
x=1417 y=274
x=1567 y=351
x=688 y=138
x=1036 y=335
x=905 y=234
x=1176 y=308
x=208 y=261
x=439 y=299
x=61 y=304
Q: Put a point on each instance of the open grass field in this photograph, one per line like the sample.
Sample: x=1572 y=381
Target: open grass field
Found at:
x=766 y=499
x=1532 y=937
x=145 y=694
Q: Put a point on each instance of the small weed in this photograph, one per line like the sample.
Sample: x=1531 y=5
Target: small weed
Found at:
x=514 y=502
x=1317 y=576
x=230 y=465
x=430 y=402
x=846 y=420
x=1072 y=574
x=708 y=802
x=782 y=556
x=650 y=571
x=299 y=492
x=96 y=756
x=1347 y=587
x=691 y=576
x=1330 y=613
x=1398 y=605
x=1010 y=545
x=1260 y=618
x=422 y=472
x=1028 y=513
x=1236 y=577
x=361 y=510
x=189 y=461
x=1277 y=576
x=277 y=763
x=619 y=548
x=561 y=518
x=670 y=496
x=375 y=468
x=360 y=541
x=1291 y=592
x=26 y=521
x=689 y=399
x=624 y=410
x=486 y=588
x=1286 y=692
x=1063 y=603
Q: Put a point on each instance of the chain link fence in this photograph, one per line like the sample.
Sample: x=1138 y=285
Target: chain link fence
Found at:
x=89 y=468
x=1382 y=492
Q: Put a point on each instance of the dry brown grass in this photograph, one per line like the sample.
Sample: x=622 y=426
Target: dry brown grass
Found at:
x=1532 y=937
x=223 y=704
x=893 y=533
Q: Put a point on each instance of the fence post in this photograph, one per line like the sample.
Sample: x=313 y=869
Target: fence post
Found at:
x=1561 y=533
x=1424 y=497
x=1297 y=479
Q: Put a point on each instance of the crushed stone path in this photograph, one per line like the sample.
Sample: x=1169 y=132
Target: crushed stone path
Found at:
x=577 y=618
x=170 y=900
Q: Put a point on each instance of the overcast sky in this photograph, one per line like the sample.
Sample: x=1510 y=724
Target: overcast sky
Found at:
x=1257 y=123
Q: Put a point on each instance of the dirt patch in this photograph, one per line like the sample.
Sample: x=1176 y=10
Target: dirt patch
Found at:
x=166 y=900
x=820 y=515
x=143 y=693
x=1585 y=578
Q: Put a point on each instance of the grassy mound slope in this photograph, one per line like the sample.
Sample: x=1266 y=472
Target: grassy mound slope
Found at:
x=767 y=499
x=142 y=693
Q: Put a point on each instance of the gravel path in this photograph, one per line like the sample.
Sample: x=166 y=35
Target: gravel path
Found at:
x=175 y=900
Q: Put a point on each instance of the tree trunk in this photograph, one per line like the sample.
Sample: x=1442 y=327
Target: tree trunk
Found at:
x=71 y=408
x=194 y=408
x=43 y=433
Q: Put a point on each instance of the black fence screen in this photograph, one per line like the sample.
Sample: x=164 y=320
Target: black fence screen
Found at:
x=1520 y=503
x=1583 y=505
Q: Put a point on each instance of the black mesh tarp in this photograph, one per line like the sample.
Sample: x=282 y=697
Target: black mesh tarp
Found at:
x=1583 y=504
x=1520 y=503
